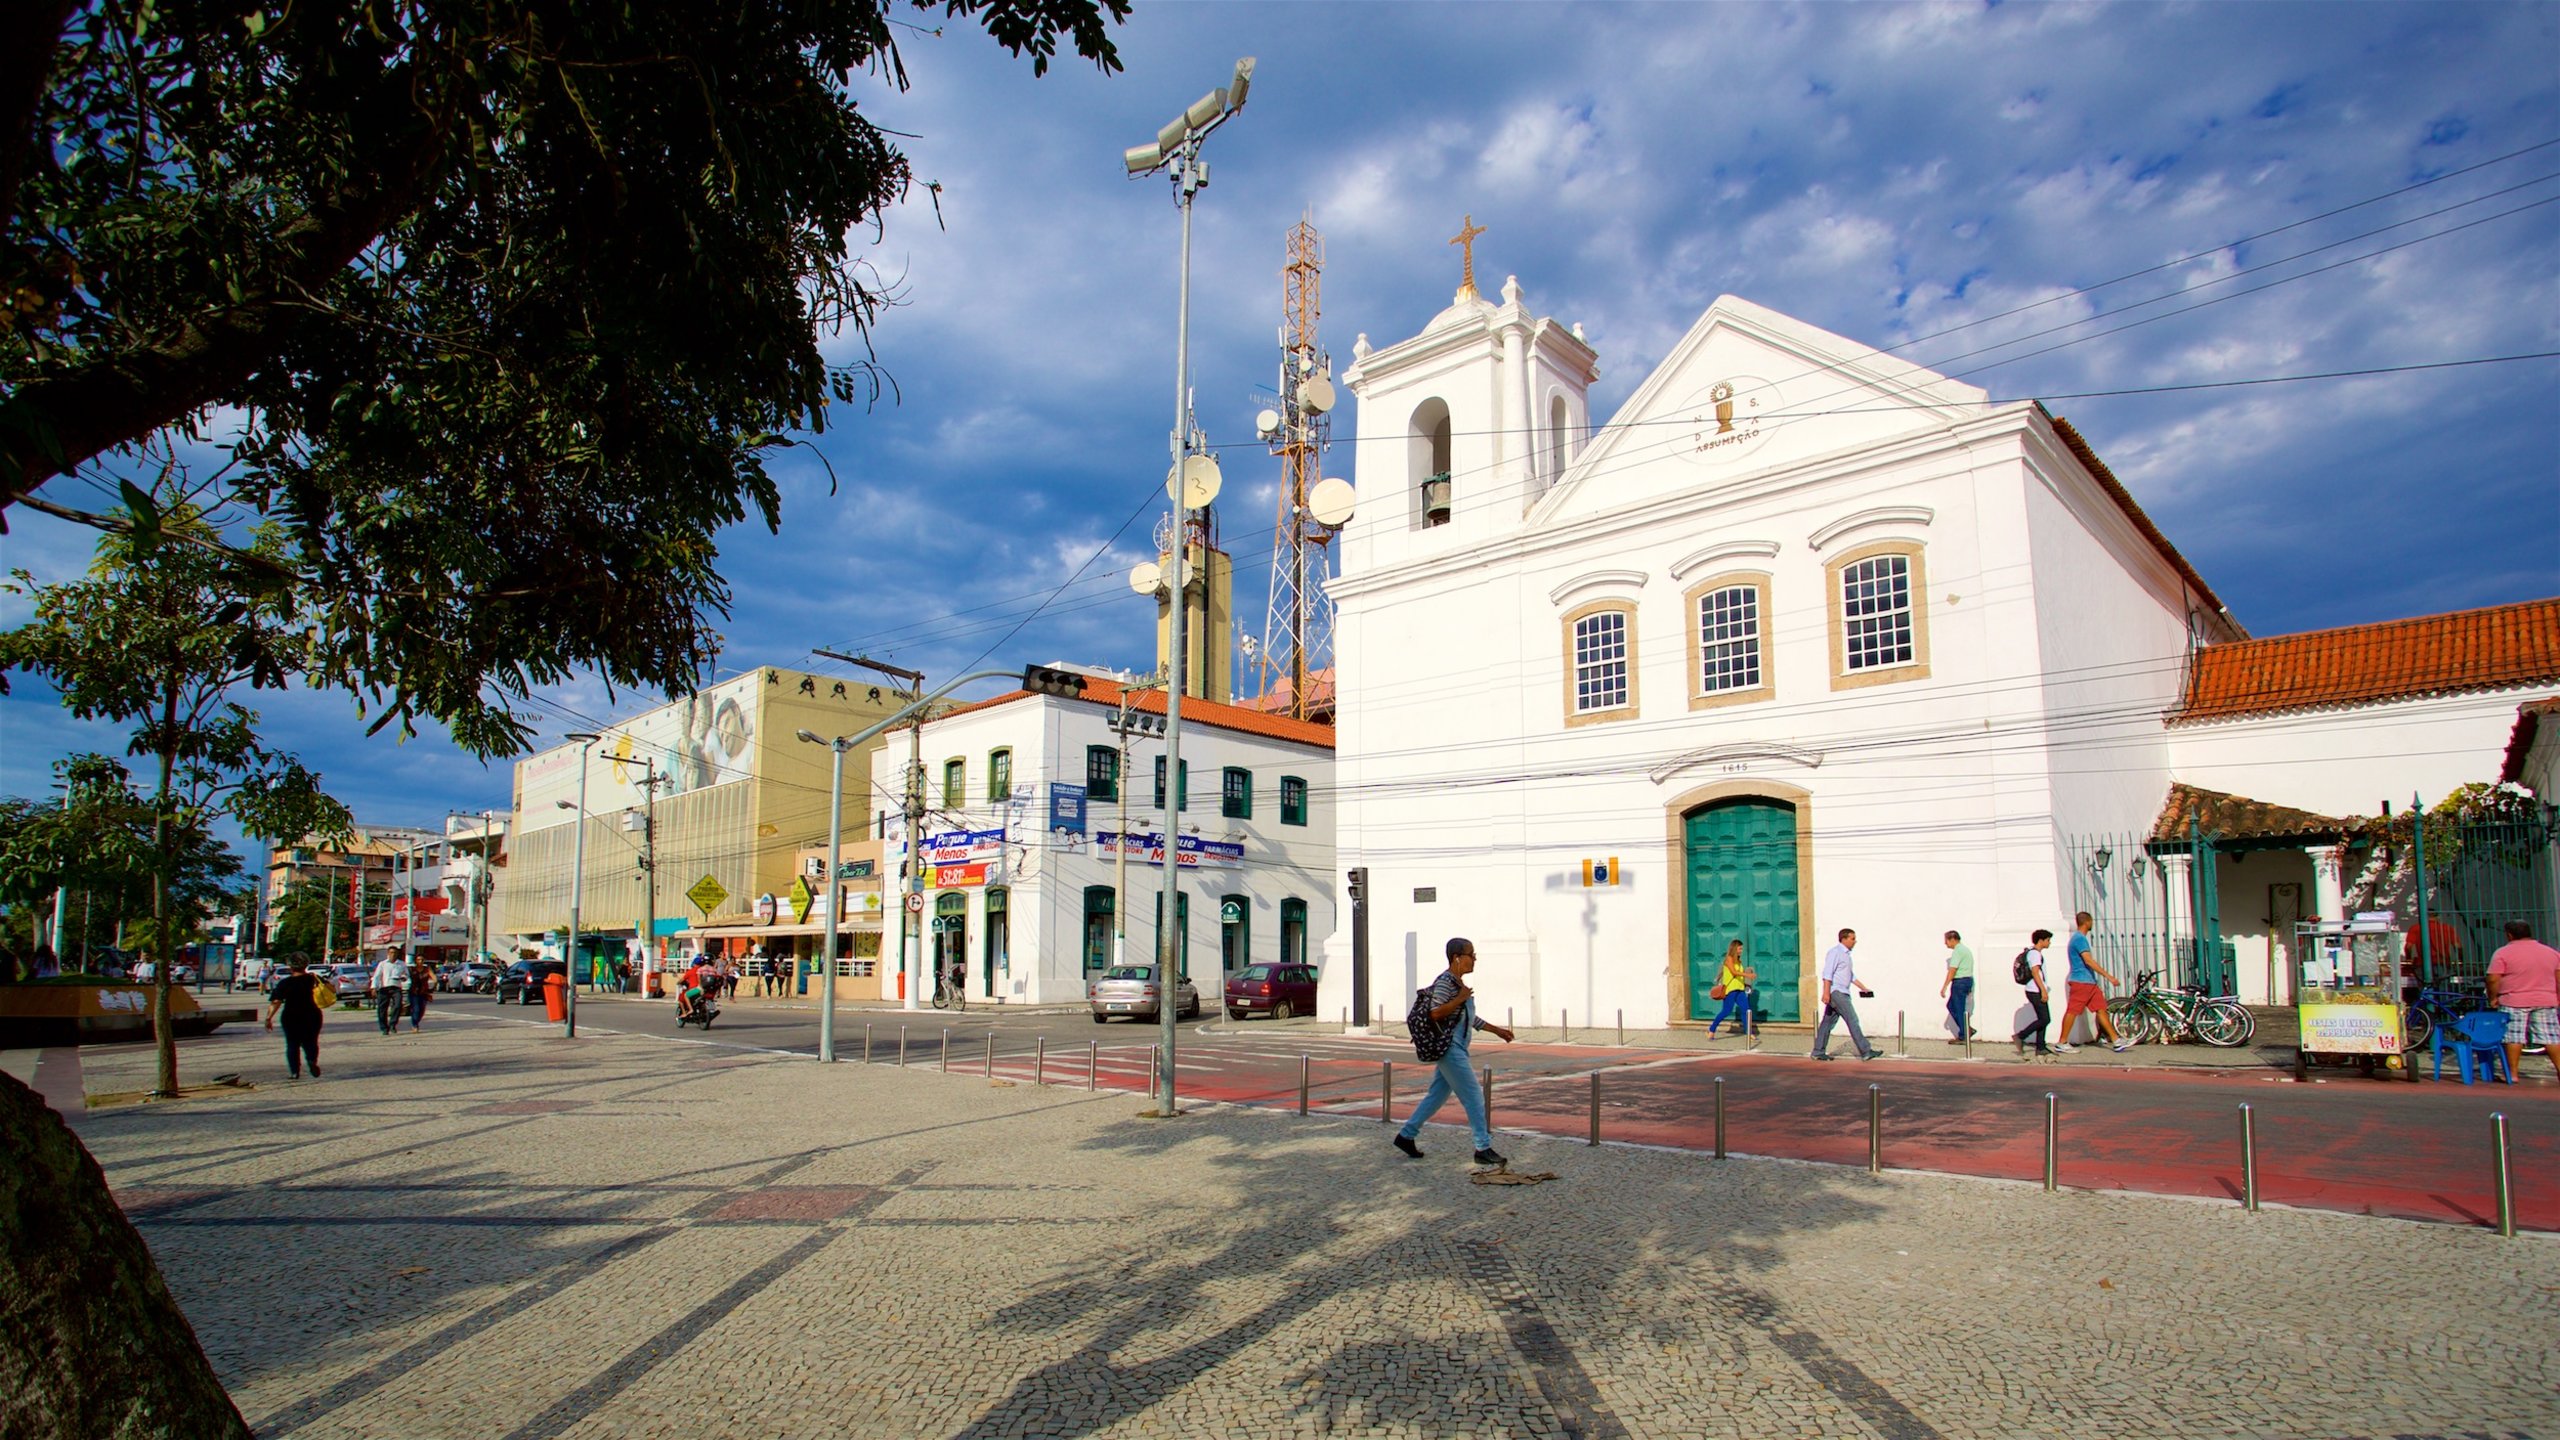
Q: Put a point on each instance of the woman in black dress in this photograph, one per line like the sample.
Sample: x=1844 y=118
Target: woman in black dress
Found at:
x=297 y=998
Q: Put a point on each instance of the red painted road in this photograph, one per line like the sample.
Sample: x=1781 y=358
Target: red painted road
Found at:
x=2351 y=1144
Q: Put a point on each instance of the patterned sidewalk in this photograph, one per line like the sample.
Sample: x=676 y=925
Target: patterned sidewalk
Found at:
x=486 y=1231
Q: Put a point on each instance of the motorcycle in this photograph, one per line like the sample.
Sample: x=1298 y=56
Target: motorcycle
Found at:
x=700 y=1012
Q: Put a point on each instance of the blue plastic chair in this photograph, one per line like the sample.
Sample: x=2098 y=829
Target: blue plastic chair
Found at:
x=2479 y=1038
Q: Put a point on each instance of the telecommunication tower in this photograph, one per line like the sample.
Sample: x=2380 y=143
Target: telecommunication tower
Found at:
x=1297 y=632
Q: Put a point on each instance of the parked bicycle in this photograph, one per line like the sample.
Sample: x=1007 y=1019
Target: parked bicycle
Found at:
x=2162 y=1017
x=950 y=991
x=2440 y=1005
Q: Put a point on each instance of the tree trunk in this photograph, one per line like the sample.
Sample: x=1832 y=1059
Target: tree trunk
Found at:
x=91 y=1342
x=164 y=1035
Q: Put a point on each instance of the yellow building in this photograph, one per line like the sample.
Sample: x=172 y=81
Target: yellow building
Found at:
x=715 y=794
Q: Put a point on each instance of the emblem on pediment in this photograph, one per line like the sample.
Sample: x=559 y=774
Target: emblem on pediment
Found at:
x=1729 y=419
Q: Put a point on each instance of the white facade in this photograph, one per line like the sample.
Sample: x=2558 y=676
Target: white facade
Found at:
x=1764 y=467
x=1036 y=923
x=2339 y=761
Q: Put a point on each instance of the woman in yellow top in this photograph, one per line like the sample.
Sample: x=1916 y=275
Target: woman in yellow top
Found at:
x=1734 y=984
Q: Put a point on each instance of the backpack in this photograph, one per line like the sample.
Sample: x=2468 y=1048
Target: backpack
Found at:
x=1430 y=1037
x=2020 y=970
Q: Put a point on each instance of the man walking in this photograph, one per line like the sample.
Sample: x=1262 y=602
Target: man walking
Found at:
x=2085 y=994
x=1839 y=977
x=1452 y=1003
x=2034 y=974
x=1957 y=988
x=390 y=981
x=2524 y=981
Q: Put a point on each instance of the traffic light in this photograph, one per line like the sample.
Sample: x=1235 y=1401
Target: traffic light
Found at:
x=1044 y=680
x=1360 y=885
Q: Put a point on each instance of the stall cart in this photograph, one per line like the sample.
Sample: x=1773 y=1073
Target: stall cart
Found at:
x=2348 y=994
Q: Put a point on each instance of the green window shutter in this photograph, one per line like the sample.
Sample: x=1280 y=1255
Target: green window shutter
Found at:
x=1293 y=800
x=955 y=784
x=1159 y=783
x=999 y=776
x=1101 y=773
x=1235 y=794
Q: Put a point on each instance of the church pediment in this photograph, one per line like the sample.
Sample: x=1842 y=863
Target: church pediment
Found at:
x=1745 y=391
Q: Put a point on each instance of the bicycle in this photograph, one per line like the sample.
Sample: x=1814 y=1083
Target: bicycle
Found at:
x=949 y=993
x=2438 y=1006
x=2186 y=1013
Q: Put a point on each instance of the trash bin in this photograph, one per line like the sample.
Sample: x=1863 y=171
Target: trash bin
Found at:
x=555 y=996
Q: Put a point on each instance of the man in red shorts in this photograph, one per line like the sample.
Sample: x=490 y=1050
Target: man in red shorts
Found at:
x=2085 y=994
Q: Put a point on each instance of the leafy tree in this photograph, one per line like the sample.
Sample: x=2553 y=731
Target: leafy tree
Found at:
x=500 y=304
x=156 y=638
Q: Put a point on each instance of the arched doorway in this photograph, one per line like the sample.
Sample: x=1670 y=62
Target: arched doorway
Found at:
x=950 y=938
x=1739 y=856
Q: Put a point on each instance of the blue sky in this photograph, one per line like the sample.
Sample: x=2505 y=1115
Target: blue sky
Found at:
x=1883 y=171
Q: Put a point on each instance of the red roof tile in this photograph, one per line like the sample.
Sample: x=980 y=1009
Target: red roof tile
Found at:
x=2467 y=651
x=2237 y=817
x=1195 y=711
x=2529 y=717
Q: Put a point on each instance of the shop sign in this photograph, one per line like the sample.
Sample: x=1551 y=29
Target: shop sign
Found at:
x=856 y=869
x=706 y=895
x=767 y=907
x=1197 y=853
x=802 y=897
x=2351 y=1029
x=962 y=847
x=954 y=877
x=1231 y=912
x=1066 y=808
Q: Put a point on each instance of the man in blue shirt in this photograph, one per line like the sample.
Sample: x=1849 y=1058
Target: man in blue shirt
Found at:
x=1455 y=1073
x=1839 y=977
x=2085 y=994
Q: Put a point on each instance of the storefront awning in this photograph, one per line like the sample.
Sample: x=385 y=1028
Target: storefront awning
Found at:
x=852 y=925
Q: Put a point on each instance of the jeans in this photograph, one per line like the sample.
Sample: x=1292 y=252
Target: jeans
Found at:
x=1455 y=1074
x=417 y=1007
x=1960 y=1003
x=1737 y=1003
x=298 y=1044
x=386 y=1008
x=1838 y=1010
x=2044 y=1017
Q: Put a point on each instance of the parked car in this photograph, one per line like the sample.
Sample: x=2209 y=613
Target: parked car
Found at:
x=471 y=977
x=522 y=981
x=1279 y=991
x=1131 y=990
x=354 y=983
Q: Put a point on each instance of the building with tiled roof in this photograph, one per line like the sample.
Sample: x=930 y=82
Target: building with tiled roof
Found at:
x=2497 y=648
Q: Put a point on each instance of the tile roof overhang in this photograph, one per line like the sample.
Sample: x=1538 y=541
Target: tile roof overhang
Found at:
x=2529 y=719
x=1195 y=711
x=2496 y=648
x=2230 y=819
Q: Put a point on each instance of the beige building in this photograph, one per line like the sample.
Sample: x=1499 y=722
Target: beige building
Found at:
x=715 y=794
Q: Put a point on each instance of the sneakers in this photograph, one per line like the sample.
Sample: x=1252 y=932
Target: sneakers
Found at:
x=2123 y=1045
x=2065 y=1048
x=1818 y=1055
x=1870 y=1055
x=1491 y=1156
x=1405 y=1144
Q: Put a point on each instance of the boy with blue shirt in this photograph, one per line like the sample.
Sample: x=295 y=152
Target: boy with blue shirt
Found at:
x=1455 y=1073
x=2085 y=994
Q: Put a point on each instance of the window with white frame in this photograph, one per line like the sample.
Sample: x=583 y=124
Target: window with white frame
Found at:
x=1600 y=662
x=1875 y=613
x=1729 y=639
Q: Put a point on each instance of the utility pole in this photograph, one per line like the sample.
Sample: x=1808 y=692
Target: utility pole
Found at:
x=650 y=781
x=910 y=971
x=487 y=883
x=1128 y=725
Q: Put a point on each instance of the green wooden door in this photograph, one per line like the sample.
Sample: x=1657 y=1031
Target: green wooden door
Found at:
x=1742 y=885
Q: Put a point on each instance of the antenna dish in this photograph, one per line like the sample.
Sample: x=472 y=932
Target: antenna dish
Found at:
x=1267 y=424
x=1146 y=577
x=1199 y=483
x=1330 y=502
x=1316 y=394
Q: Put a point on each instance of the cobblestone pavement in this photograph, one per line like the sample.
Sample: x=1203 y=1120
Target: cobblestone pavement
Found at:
x=487 y=1231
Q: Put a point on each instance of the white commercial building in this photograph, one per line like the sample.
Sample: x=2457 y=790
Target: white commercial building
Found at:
x=1804 y=638
x=1027 y=795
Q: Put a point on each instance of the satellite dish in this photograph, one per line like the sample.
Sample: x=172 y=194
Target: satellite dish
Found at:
x=1146 y=577
x=1330 y=503
x=1200 y=480
x=1316 y=395
x=1267 y=424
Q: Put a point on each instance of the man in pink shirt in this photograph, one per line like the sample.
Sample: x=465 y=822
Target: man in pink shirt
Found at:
x=2524 y=981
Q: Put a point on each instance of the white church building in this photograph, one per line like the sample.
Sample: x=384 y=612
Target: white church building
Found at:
x=1804 y=638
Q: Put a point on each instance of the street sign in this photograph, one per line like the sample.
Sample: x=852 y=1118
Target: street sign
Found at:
x=802 y=897
x=706 y=894
x=915 y=904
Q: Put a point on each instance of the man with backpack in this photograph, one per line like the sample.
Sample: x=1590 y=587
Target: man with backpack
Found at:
x=1442 y=1018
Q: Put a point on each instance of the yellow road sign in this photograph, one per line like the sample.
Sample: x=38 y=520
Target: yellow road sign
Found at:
x=706 y=895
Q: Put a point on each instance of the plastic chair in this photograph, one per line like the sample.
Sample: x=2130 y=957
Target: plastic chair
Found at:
x=2477 y=1038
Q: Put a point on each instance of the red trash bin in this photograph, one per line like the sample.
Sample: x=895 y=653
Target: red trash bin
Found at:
x=555 y=996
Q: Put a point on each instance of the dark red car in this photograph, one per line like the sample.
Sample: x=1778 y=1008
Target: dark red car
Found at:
x=1278 y=990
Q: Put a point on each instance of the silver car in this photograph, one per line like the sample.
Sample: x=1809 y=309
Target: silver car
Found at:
x=1131 y=990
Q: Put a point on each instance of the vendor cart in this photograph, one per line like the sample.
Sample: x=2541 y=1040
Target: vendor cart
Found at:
x=2347 y=996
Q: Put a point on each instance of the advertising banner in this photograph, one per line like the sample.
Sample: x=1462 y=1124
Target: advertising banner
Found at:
x=2352 y=1028
x=1196 y=853
x=1066 y=808
x=963 y=847
x=953 y=877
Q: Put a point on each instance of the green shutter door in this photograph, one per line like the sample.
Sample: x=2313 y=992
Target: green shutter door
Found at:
x=1742 y=883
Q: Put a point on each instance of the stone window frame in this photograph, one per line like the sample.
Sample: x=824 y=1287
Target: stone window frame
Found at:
x=1621 y=604
x=1835 y=607
x=1767 y=689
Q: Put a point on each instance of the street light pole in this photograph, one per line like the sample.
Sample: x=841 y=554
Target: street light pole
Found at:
x=577 y=893
x=911 y=913
x=835 y=847
x=1128 y=725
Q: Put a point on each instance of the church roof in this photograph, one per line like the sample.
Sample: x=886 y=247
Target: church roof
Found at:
x=2464 y=652
x=2237 y=817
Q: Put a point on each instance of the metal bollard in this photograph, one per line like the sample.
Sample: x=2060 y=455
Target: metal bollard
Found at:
x=1719 y=1117
x=2498 y=1160
x=1302 y=1086
x=1564 y=1026
x=2051 y=1101
x=866 y=1044
x=2248 y=1158
x=1386 y=1091
x=1346 y=1019
x=902 y=1047
x=1750 y=1031
x=946 y=1052
x=1092 y=1061
x=1506 y=1018
x=1488 y=1097
x=991 y=1054
x=1875 y=1129
x=1622 y=1029
x=1595 y=1107
x=1897 y=1032
x=1039 y=1060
